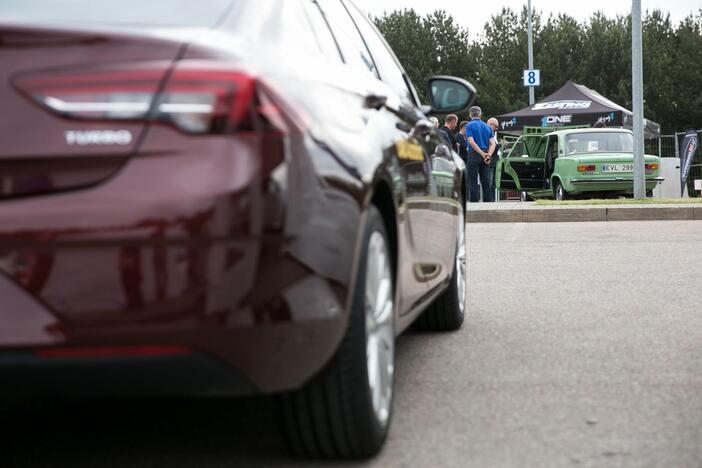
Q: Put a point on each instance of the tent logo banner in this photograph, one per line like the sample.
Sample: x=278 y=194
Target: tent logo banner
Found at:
x=609 y=118
x=508 y=123
x=563 y=104
x=556 y=120
x=687 y=152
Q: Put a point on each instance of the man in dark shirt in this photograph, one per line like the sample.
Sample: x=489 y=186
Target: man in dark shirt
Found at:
x=462 y=147
x=448 y=129
x=462 y=141
x=481 y=145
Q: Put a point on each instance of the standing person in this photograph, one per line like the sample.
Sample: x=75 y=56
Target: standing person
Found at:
x=434 y=121
x=462 y=148
x=448 y=129
x=494 y=124
x=462 y=142
x=481 y=141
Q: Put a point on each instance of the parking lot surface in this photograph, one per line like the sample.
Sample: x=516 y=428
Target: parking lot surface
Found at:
x=582 y=347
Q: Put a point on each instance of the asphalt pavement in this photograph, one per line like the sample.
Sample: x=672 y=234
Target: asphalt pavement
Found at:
x=582 y=347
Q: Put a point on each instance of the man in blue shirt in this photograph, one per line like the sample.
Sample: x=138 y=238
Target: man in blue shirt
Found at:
x=481 y=145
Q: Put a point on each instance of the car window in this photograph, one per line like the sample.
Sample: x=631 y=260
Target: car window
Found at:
x=518 y=149
x=323 y=35
x=388 y=66
x=599 y=142
x=294 y=27
x=353 y=49
x=532 y=146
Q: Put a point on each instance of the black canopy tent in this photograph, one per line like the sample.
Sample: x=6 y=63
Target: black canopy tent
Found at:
x=573 y=104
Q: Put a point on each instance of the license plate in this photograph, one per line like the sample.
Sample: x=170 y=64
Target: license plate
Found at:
x=617 y=168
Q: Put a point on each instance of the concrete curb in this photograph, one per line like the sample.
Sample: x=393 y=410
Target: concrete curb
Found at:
x=582 y=213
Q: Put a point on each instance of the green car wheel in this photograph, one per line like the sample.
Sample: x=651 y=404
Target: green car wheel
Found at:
x=559 y=192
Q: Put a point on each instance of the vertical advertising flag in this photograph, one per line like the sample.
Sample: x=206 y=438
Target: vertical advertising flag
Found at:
x=687 y=151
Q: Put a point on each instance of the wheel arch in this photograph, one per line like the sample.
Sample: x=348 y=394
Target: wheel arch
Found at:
x=383 y=200
x=555 y=178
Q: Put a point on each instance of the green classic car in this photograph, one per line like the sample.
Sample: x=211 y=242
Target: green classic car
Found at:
x=584 y=162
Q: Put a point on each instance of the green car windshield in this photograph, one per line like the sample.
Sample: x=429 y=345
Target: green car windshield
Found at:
x=599 y=142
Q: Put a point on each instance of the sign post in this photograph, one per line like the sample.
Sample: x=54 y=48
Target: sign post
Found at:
x=637 y=99
x=531 y=55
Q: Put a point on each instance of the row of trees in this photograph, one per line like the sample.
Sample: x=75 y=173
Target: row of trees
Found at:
x=596 y=53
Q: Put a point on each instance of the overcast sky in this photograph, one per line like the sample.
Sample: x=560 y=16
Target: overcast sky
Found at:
x=474 y=14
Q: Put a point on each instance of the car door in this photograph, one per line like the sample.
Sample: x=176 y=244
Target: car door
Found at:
x=431 y=180
x=524 y=167
x=387 y=142
x=505 y=177
x=444 y=207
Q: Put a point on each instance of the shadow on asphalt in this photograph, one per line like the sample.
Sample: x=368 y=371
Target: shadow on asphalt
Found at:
x=153 y=432
x=141 y=432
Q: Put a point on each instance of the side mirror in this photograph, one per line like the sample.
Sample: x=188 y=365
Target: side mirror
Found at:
x=449 y=94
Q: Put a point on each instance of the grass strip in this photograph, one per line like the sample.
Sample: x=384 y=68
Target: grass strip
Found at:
x=623 y=201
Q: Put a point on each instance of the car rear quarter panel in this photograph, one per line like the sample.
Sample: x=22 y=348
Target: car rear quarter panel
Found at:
x=565 y=169
x=199 y=242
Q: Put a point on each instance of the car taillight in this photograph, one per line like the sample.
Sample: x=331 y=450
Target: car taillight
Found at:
x=195 y=99
x=652 y=166
x=206 y=101
x=586 y=167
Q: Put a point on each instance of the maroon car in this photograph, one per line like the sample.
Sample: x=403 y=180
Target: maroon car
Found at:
x=222 y=197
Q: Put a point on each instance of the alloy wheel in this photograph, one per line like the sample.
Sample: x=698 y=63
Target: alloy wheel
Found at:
x=380 y=333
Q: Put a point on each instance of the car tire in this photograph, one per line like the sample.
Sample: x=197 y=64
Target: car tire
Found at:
x=559 y=192
x=524 y=196
x=447 y=312
x=346 y=409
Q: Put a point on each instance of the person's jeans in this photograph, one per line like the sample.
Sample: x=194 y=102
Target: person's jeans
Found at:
x=486 y=178
x=478 y=168
x=495 y=196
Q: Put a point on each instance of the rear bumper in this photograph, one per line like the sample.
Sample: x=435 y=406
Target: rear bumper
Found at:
x=191 y=247
x=615 y=180
x=26 y=374
x=610 y=184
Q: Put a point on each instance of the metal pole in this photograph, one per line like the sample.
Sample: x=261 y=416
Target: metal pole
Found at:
x=531 y=52
x=637 y=98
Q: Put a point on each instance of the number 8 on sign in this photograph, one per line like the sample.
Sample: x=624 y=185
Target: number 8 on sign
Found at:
x=532 y=77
